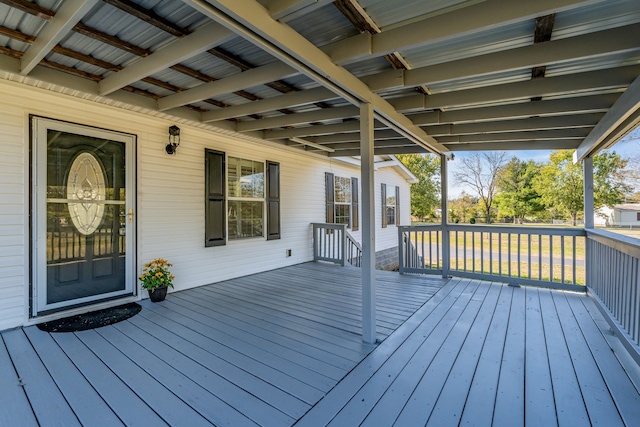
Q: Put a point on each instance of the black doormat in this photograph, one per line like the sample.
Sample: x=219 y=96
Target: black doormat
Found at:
x=94 y=319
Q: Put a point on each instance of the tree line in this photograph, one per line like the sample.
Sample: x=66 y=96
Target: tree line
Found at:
x=517 y=190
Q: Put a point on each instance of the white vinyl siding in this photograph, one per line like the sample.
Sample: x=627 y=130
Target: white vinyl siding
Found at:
x=13 y=222
x=170 y=190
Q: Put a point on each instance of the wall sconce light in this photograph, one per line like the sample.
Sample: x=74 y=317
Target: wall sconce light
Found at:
x=174 y=139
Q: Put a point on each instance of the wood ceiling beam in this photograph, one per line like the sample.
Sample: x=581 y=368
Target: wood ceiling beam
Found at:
x=536 y=123
x=266 y=73
x=571 y=85
x=299 y=118
x=291 y=99
x=253 y=22
x=202 y=39
x=626 y=106
x=67 y=16
x=361 y=20
x=30 y=8
x=148 y=16
x=580 y=47
x=486 y=14
x=570 y=133
x=554 y=107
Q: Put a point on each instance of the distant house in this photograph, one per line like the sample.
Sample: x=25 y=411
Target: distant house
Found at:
x=623 y=215
x=626 y=215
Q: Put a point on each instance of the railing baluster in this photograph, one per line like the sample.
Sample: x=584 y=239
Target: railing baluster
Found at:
x=529 y=256
x=481 y=252
x=509 y=254
x=500 y=254
x=519 y=254
x=562 y=259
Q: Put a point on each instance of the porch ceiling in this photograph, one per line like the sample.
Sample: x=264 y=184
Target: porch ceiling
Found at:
x=443 y=76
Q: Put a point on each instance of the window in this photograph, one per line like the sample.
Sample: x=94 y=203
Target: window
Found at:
x=342 y=190
x=390 y=202
x=638 y=216
x=245 y=207
x=391 y=209
x=342 y=200
x=236 y=192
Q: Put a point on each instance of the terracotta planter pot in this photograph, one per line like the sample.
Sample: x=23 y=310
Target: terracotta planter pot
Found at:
x=158 y=294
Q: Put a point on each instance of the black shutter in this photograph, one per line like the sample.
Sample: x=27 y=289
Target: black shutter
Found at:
x=273 y=200
x=397 y=205
x=214 y=211
x=383 y=203
x=355 y=221
x=329 y=187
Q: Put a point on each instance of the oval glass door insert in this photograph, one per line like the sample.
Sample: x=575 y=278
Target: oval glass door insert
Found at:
x=86 y=193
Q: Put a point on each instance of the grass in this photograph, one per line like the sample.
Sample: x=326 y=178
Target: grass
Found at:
x=497 y=254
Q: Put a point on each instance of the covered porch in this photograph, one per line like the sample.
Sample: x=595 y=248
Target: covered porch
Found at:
x=284 y=347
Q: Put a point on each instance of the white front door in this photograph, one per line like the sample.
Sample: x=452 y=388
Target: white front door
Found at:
x=83 y=228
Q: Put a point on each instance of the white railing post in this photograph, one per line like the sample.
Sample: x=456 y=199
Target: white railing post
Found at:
x=444 y=191
x=368 y=224
x=400 y=250
x=343 y=245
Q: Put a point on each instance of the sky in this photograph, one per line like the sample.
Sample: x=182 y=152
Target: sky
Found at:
x=627 y=147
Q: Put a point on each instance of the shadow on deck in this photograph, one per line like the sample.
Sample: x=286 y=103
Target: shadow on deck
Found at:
x=283 y=347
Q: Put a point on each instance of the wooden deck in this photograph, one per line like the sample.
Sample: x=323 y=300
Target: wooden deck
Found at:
x=283 y=348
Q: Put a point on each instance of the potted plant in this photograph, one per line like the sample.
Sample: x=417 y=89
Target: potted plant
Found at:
x=156 y=278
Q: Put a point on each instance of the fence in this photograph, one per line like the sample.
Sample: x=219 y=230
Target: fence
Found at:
x=332 y=243
x=614 y=277
x=551 y=257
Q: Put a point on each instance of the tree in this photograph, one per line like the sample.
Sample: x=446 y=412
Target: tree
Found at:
x=560 y=182
x=463 y=208
x=480 y=172
x=516 y=195
x=425 y=194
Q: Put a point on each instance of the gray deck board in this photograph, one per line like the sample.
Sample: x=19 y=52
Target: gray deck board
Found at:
x=87 y=403
x=157 y=395
x=600 y=407
x=130 y=407
x=510 y=399
x=46 y=399
x=449 y=406
x=283 y=348
x=570 y=407
x=421 y=403
x=623 y=392
x=540 y=406
x=478 y=407
x=12 y=394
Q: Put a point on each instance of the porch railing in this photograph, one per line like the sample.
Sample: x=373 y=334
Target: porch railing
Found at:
x=613 y=263
x=550 y=257
x=333 y=243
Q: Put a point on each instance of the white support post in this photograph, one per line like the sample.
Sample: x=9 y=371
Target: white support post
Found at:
x=368 y=225
x=589 y=212
x=444 y=206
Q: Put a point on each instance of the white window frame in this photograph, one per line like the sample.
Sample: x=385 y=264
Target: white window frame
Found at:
x=391 y=196
x=230 y=199
x=336 y=203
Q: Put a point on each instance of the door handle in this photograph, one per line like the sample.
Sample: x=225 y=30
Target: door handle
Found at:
x=130 y=215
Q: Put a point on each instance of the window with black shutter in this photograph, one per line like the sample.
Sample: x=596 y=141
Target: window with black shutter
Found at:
x=215 y=198
x=273 y=200
x=355 y=206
